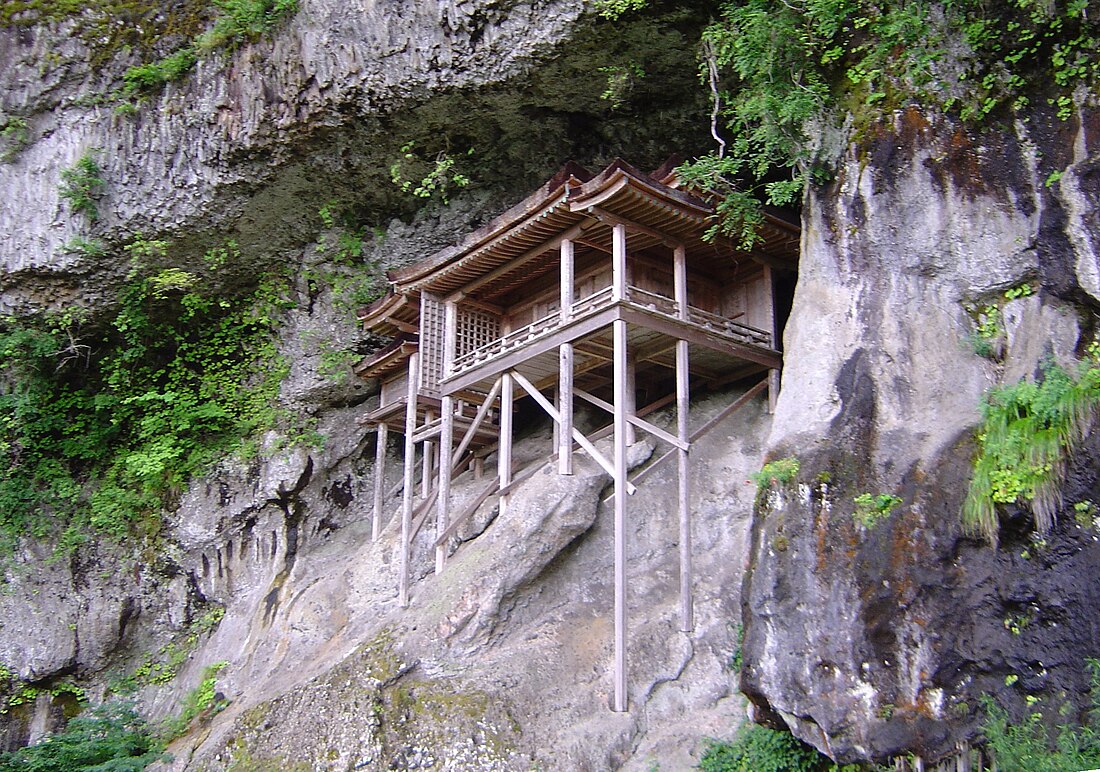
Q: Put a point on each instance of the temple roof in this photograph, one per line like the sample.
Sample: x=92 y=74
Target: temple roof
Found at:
x=573 y=204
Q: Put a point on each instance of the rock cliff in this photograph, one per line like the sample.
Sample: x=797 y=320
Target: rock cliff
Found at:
x=912 y=620
x=866 y=642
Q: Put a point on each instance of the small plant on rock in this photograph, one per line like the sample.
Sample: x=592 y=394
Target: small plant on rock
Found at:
x=82 y=185
x=872 y=510
x=776 y=473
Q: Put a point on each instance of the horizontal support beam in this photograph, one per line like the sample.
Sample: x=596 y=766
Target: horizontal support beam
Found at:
x=690 y=333
x=611 y=218
x=567 y=333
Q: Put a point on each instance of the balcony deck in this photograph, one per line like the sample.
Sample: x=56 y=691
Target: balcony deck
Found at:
x=720 y=346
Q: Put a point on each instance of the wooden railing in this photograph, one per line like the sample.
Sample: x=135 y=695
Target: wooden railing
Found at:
x=597 y=301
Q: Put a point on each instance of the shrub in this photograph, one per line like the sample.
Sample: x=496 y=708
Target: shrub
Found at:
x=82 y=185
x=153 y=76
x=111 y=736
x=776 y=473
x=1027 y=431
x=871 y=510
x=1028 y=746
x=759 y=749
x=202 y=698
x=99 y=427
x=243 y=20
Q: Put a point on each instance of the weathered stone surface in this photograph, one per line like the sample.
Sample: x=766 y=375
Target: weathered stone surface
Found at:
x=519 y=622
x=871 y=642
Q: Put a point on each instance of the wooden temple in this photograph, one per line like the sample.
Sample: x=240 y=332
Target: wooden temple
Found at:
x=600 y=288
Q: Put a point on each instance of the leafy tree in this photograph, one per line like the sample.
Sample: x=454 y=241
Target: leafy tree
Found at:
x=110 y=737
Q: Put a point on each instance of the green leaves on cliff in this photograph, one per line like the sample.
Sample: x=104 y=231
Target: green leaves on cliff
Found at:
x=101 y=424
x=82 y=185
x=237 y=22
x=1027 y=432
x=759 y=749
x=111 y=736
x=787 y=73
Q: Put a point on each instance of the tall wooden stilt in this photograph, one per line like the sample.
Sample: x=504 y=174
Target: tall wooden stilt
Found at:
x=410 y=472
x=680 y=287
x=565 y=408
x=428 y=459
x=687 y=613
x=556 y=399
x=630 y=398
x=619 y=368
x=379 y=479
x=504 y=451
x=443 y=503
x=565 y=364
x=773 y=375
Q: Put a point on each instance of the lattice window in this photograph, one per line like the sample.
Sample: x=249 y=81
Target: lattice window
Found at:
x=432 y=322
x=475 y=329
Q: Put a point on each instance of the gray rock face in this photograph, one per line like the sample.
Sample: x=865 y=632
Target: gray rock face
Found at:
x=910 y=622
x=253 y=143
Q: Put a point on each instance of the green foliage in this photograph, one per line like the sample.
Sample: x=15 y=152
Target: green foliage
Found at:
x=613 y=9
x=240 y=21
x=1027 y=431
x=776 y=473
x=1029 y=747
x=154 y=75
x=219 y=257
x=1022 y=291
x=872 y=510
x=237 y=22
x=100 y=428
x=202 y=699
x=164 y=665
x=110 y=737
x=784 y=72
x=82 y=185
x=621 y=79
x=759 y=749
x=14 y=136
x=15 y=692
x=1084 y=512
x=427 y=178
x=86 y=247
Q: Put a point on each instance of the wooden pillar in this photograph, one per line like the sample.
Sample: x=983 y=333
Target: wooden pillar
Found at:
x=564 y=405
x=680 y=281
x=630 y=398
x=773 y=374
x=410 y=472
x=428 y=459
x=379 y=479
x=446 y=433
x=618 y=262
x=962 y=751
x=687 y=613
x=443 y=501
x=683 y=394
x=619 y=369
x=504 y=452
